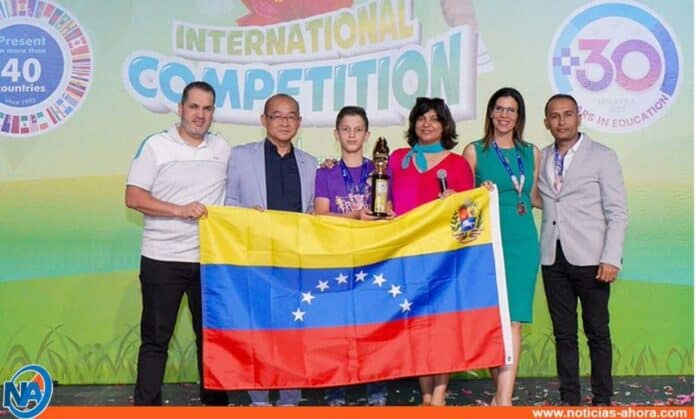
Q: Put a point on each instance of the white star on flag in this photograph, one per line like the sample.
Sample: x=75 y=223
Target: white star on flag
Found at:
x=468 y=223
x=395 y=290
x=341 y=279
x=379 y=280
x=360 y=276
x=323 y=286
x=307 y=297
x=299 y=315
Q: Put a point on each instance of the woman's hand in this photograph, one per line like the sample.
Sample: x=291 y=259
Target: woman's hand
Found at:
x=488 y=185
x=447 y=193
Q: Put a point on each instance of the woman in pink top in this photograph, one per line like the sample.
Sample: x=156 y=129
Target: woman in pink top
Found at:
x=431 y=135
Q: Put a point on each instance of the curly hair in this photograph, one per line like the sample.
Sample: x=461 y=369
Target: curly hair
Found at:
x=449 y=128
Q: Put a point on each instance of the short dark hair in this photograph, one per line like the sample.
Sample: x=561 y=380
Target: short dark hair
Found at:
x=352 y=111
x=449 y=128
x=518 y=130
x=560 y=96
x=277 y=96
x=201 y=85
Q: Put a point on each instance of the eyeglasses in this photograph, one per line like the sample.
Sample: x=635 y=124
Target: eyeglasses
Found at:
x=504 y=110
x=276 y=117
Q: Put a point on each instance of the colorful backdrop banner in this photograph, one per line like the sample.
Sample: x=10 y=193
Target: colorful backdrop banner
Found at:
x=83 y=82
x=296 y=300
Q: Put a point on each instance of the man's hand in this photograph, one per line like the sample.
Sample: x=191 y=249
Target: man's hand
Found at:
x=607 y=273
x=328 y=163
x=191 y=211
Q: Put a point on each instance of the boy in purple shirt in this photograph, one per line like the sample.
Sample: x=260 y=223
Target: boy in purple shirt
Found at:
x=344 y=190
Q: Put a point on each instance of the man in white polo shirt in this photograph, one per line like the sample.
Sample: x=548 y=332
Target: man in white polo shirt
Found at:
x=173 y=176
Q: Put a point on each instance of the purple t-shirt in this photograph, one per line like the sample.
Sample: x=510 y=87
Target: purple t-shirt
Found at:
x=331 y=185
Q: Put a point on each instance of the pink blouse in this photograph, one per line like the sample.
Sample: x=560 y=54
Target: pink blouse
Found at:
x=411 y=188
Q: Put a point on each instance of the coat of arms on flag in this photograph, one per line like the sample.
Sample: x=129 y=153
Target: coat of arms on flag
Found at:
x=297 y=300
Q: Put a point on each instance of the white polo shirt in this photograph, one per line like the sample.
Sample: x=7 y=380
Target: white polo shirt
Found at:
x=178 y=173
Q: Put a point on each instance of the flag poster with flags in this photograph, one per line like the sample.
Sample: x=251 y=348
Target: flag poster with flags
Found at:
x=298 y=300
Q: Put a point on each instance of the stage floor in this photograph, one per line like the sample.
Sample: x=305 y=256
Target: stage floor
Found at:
x=640 y=391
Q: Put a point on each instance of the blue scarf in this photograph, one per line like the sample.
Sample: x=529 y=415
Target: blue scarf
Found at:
x=419 y=152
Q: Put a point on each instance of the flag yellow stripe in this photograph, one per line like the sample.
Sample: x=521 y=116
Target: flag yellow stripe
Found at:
x=247 y=237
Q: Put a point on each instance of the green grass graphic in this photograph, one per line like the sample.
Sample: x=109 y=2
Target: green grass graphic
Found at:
x=95 y=339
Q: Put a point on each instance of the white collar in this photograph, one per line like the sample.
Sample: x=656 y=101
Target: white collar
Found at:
x=174 y=134
x=575 y=146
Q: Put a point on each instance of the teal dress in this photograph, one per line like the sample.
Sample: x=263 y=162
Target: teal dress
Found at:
x=519 y=234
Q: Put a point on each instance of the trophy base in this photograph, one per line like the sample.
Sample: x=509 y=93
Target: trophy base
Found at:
x=379 y=214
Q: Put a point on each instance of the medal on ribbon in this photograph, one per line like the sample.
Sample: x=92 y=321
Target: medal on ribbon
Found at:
x=517 y=183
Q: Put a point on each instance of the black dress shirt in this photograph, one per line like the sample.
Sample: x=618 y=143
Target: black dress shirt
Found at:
x=283 y=187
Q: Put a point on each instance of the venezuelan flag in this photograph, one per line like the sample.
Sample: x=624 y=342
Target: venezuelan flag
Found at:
x=297 y=300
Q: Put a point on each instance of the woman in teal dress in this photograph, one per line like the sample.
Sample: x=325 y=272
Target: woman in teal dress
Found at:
x=504 y=159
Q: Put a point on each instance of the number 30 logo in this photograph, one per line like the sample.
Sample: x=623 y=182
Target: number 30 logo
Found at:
x=620 y=61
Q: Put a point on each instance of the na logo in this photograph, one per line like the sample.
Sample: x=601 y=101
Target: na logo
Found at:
x=28 y=392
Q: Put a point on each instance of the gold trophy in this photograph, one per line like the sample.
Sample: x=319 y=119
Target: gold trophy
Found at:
x=379 y=178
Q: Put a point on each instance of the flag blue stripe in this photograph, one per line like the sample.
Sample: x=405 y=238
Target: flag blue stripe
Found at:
x=246 y=298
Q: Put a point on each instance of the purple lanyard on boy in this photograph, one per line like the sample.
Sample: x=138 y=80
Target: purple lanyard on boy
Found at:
x=351 y=187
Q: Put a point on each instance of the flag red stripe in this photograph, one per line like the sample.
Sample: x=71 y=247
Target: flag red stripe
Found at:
x=321 y=357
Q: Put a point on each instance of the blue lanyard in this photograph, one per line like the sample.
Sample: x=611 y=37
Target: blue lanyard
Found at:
x=518 y=184
x=351 y=188
x=558 y=163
